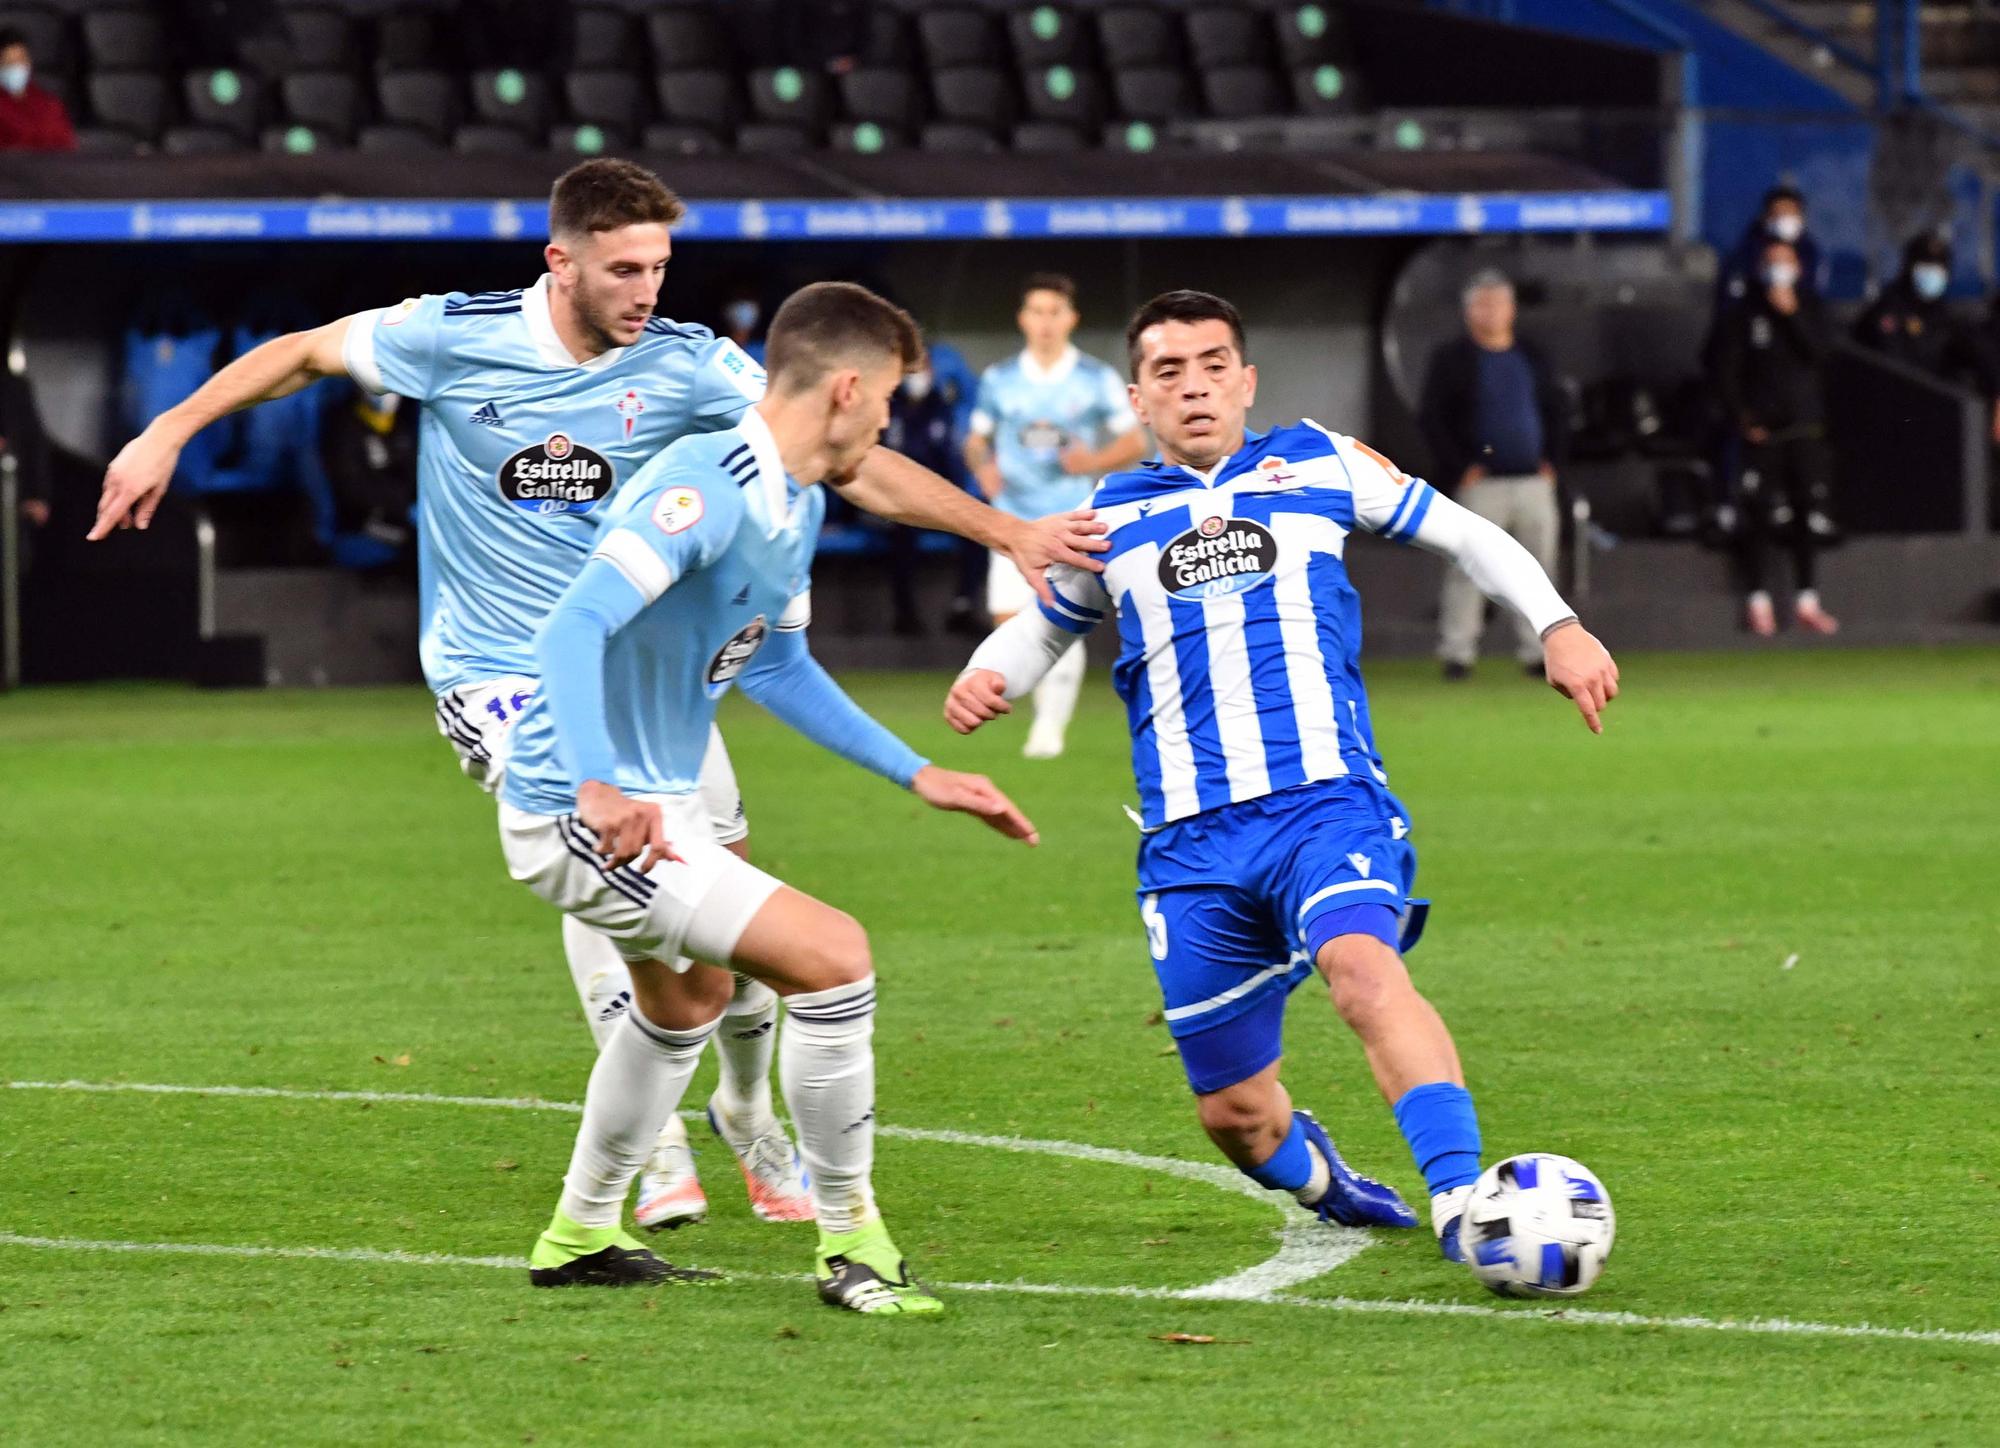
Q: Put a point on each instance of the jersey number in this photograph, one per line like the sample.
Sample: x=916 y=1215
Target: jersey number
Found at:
x=1156 y=927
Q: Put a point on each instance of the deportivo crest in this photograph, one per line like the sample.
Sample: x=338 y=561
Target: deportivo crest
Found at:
x=679 y=509
x=1218 y=556
x=557 y=475
x=629 y=407
x=730 y=659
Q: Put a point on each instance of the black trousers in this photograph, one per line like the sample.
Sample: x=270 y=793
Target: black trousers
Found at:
x=1784 y=486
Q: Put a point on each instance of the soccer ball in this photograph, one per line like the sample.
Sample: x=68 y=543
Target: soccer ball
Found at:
x=1538 y=1225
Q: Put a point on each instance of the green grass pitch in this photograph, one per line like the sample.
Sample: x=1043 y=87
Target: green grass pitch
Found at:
x=1741 y=955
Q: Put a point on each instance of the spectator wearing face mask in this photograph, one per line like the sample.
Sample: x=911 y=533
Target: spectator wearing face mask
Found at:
x=1770 y=360
x=31 y=119
x=922 y=428
x=743 y=321
x=1911 y=323
x=1782 y=217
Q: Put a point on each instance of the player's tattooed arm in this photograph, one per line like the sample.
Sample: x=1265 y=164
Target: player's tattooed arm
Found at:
x=138 y=477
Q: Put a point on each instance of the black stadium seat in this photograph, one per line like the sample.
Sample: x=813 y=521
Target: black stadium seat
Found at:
x=786 y=95
x=772 y=139
x=1133 y=37
x=131 y=101
x=954 y=137
x=327 y=100
x=975 y=95
x=232 y=100
x=510 y=97
x=1045 y=35
x=1154 y=93
x=396 y=140
x=613 y=98
x=668 y=139
x=1307 y=35
x=1045 y=137
x=885 y=96
x=886 y=40
x=201 y=141
x=706 y=98
x=685 y=37
x=602 y=39
x=317 y=38
x=106 y=141
x=299 y=140
x=1220 y=36
x=482 y=139
x=958 y=35
x=124 y=40
x=426 y=99
x=1061 y=93
x=1324 y=90
x=587 y=138
x=868 y=137
x=1239 y=92
x=406 y=40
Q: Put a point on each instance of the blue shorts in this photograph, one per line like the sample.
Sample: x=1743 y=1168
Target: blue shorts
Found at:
x=1238 y=901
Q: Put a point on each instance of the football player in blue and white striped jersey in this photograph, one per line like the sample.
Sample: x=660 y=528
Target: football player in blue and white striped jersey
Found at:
x=1272 y=846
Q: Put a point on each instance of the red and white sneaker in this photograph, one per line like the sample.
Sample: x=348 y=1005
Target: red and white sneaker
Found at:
x=670 y=1193
x=772 y=1172
x=1811 y=616
x=1758 y=615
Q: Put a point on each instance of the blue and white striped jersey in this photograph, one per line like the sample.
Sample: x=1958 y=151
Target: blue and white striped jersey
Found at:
x=1240 y=634
x=1033 y=414
x=520 y=448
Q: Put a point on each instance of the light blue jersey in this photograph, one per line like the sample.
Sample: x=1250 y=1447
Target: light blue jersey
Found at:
x=1032 y=414
x=521 y=450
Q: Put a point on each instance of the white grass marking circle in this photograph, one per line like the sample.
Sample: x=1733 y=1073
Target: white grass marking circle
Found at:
x=1306 y=1247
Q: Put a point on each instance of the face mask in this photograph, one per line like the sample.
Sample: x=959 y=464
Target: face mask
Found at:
x=917 y=386
x=742 y=316
x=1782 y=276
x=1930 y=280
x=1787 y=227
x=13 y=79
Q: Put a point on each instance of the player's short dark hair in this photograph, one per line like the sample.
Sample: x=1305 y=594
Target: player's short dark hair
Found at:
x=1783 y=191
x=1182 y=306
x=13 y=35
x=1055 y=282
x=605 y=194
x=821 y=326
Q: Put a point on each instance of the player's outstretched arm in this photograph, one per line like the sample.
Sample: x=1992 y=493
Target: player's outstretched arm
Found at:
x=976 y=795
x=138 y=477
x=891 y=486
x=1013 y=659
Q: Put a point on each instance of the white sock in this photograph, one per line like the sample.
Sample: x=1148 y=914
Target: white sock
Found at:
x=745 y=1041
x=602 y=982
x=637 y=1083
x=1808 y=598
x=1055 y=696
x=827 y=1065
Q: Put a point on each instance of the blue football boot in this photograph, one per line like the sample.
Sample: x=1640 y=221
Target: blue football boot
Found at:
x=1351 y=1199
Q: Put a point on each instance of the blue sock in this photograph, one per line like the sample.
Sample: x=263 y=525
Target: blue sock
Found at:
x=1442 y=1129
x=1290 y=1166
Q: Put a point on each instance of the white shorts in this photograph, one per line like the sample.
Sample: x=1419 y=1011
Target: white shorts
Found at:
x=478 y=719
x=1007 y=588
x=698 y=905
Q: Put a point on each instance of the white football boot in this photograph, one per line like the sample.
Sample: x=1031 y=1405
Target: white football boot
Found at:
x=670 y=1193
x=772 y=1172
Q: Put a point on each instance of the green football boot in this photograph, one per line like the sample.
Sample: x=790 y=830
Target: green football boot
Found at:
x=568 y=1255
x=863 y=1272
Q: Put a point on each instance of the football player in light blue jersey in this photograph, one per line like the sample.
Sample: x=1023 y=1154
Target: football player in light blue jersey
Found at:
x=537 y=405
x=1271 y=845
x=698 y=582
x=1046 y=425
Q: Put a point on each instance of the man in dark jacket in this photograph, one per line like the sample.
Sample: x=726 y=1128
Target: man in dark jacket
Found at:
x=1770 y=363
x=1497 y=426
x=1911 y=323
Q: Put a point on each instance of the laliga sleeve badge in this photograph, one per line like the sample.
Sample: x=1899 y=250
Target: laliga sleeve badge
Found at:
x=394 y=316
x=678 y=510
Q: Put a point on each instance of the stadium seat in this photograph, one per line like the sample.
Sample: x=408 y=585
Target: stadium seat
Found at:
x=587 y=138
x=882 y=95
x=1060 y=93
x=705 y=98
x=124 y=40
x=1309 y=34
x=396 y=140
x=608 y=98
x=1046 y=35
x=47 y=34
x=975 y=95
x=1045 y=137
x=1325 y=90
x=1240 y=92
x=886 y=39
x=1154 y=93
x=769 y=138
x=327 y=100
x=510 y=97
x=300 y=140
x=788 y=96
x=486 y=139
x=406 y=40
x=426 y=99
x=602 y=39
x=1220 y=36
x=106 y=141
x=131 y=101
x=316 y=38
x=958 y=35
x=227 y=98
x=955 y=137
x=1135 y=37
x=868 y=137
x=686 y=37
x=668 y=139
x=201 y=141
x=1134 y=136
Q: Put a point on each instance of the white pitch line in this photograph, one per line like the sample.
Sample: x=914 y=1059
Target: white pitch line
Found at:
x=1556 y=1317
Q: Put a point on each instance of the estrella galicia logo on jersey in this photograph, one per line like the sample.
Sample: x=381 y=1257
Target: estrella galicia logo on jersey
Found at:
x=730 y=659
x=556 y=475
x=1218 y=556
x=1043 y=436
